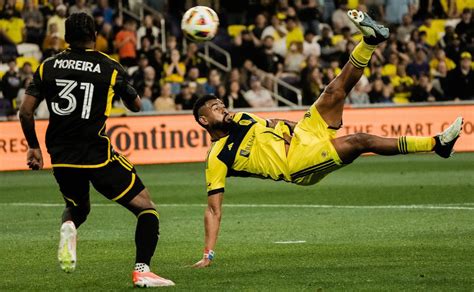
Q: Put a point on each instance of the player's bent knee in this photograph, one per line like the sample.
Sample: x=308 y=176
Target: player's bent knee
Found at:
x=335 y=92
x=140 y=202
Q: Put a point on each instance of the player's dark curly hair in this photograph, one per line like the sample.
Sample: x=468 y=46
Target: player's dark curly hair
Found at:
x=199 y=104
x=80 y=29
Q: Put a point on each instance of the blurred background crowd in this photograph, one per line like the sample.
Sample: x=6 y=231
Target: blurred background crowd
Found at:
x=304 y=43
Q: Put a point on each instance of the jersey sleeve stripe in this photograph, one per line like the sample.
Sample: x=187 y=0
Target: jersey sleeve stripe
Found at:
x=106 y=56
x=110 y=94
x=110 y=58
x=41 y=71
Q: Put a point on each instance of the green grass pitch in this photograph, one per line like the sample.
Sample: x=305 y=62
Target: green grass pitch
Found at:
x=383 y=223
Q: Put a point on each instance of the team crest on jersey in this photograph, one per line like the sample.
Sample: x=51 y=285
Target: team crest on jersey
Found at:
x=307 y=115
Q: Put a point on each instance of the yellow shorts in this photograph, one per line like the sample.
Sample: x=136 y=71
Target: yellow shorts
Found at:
x=311 y=155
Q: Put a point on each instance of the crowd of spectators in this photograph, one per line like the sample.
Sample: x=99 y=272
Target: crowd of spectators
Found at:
x=427 y=58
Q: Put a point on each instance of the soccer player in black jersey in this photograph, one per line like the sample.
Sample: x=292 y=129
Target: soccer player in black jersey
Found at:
x=79 y=85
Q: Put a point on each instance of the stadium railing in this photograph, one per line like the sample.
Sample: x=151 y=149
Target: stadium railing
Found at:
x=142 y=9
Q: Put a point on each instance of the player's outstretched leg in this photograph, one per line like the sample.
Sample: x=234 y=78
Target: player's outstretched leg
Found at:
x=351 y=146
x=330 y=104
x=146 y=239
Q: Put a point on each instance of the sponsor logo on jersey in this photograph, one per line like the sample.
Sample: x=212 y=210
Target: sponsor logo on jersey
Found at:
x=245 y=152
x=77 y=65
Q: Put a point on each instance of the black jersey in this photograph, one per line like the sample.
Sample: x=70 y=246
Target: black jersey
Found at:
x=79 y=86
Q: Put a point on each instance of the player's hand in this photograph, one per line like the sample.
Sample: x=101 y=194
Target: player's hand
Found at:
x=34 y=158
x=202 y=263
x=207 y=258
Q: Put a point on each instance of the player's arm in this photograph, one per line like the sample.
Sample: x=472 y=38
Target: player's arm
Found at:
x=212 y=222
x=134 y=105
x=216 y=172
x=31 y=100
x=271 y=123
x=127 y=93
x=34 y=157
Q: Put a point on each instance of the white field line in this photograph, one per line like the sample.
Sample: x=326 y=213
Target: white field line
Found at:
x=290 y=242
x=467 y=206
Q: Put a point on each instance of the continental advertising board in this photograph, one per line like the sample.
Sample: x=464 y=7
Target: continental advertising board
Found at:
x=177 y=138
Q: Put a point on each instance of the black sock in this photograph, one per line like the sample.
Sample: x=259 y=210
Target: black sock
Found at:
x=78 y=215
x=146 y=235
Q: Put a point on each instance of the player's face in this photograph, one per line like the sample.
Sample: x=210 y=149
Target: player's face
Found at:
x=216 y=115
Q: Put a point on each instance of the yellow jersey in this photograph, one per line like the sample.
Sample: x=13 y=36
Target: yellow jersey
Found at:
x=250 y=149
x=253 y=149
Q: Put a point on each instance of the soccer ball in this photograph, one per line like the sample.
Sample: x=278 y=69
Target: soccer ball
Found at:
x=200 y=23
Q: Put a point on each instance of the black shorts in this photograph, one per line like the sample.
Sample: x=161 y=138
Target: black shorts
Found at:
x=117 y=181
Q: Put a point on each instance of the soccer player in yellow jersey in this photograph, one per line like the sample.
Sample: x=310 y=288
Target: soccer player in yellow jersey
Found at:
x=302 y=153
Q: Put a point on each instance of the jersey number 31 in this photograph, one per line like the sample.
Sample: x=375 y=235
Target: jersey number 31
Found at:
x=66 y=93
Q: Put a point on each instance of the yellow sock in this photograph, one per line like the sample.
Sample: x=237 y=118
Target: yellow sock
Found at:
x=361 y=54
x=410 y=144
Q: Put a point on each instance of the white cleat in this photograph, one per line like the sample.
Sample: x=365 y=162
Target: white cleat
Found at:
x=149 y=279
x=67 y=247
x=445 y=141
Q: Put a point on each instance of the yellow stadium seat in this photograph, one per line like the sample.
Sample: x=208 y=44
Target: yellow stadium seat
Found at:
x=118 y=111
x=22 y=60
x=235 y=29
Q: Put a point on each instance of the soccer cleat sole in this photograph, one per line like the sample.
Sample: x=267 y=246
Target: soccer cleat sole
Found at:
x=140 y=284
x=452 y=132
x=367 y=26
x=66 y=261
x=149 y=279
